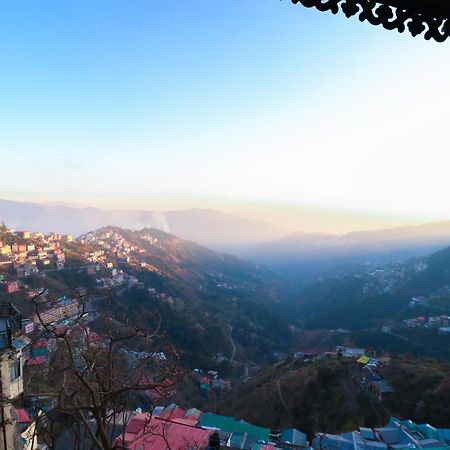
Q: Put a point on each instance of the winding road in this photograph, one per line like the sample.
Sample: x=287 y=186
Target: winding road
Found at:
x=233 y=352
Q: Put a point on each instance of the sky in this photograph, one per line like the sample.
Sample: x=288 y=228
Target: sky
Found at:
x=235 y=104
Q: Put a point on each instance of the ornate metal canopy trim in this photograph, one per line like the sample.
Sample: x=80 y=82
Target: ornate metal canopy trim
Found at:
x=418 y=16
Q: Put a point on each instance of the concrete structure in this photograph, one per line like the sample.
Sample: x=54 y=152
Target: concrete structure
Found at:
x=12 y=344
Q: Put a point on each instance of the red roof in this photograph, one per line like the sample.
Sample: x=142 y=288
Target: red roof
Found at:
x=167 y=389
x=22 y=415
x=137 y=424
x=93 y=337
x=36 y=361
x=172 y=413
x=191 y=421
x=147 y=432
x=41 y=343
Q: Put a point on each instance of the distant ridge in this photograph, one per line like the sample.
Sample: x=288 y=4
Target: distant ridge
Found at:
x=306 y=253
x=209 y=227
x=294 y=255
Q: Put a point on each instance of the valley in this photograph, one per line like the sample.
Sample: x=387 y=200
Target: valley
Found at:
x=251 y=344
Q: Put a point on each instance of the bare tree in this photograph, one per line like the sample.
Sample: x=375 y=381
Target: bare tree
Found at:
x=96 y=377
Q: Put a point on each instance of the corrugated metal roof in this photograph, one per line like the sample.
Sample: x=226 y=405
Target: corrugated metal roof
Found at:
x=392 y=436
x=234 y=426
x=367 y=433
x=145 y=432
x=430 y=443
x=20 y=342
x=363 y=359
x=444 y=434
x=172 y=413
x=293 y=436
x=193 y=412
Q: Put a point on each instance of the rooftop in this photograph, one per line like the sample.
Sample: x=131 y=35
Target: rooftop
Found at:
x=231 y=425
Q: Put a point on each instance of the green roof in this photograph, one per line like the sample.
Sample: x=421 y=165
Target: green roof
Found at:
x=231 y=425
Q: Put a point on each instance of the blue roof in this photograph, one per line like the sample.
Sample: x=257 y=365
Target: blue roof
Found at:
x=157 y=410
x=367 y=433
x=444 y=434
x=430 y=443
x=345 y=441
x=398 y=435
x=20 y=342
x=394 y=422
x=293 y=436
x=333 y=442
x=427 y=431
x=407 y=423
x=244 y=441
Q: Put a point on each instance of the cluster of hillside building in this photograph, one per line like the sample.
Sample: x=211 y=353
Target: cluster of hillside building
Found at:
x=397 y=434
x=390 y=277
x=210 y=380
x=110 y=242
x=178 y=429
x=440 y=323
x=175 y=428
x=27 y=252
x=370 y=374
x=166 y=427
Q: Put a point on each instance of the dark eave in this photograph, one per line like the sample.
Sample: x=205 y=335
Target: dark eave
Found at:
x=431 y=17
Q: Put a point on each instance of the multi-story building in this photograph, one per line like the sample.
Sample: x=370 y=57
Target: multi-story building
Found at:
x=5 y=250
x=24 y=234
x=65 y=309
x=12 y=345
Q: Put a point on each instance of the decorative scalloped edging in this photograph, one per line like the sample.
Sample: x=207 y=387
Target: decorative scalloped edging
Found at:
x=390 y=17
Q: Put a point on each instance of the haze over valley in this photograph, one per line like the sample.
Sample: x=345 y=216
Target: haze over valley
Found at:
x=296 y=256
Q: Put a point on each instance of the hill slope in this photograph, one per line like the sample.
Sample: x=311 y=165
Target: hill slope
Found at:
x=369 y=296
x=327 y=395
x=210 y=302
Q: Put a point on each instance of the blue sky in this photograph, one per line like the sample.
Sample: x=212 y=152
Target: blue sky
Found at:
x=239 y=100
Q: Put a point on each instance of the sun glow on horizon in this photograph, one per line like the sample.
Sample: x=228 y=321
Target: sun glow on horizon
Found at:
x=276 y=107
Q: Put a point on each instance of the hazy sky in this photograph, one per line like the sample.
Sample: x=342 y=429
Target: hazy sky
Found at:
x=142 y=101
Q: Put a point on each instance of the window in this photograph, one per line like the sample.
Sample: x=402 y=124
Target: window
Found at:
x=14 y=370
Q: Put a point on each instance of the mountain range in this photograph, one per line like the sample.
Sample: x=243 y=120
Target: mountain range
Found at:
x=297 y=255
x=301 y=254
x=221 y=231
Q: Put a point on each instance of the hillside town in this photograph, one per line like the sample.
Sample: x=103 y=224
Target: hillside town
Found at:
x=31 y=337
x=172 y=427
